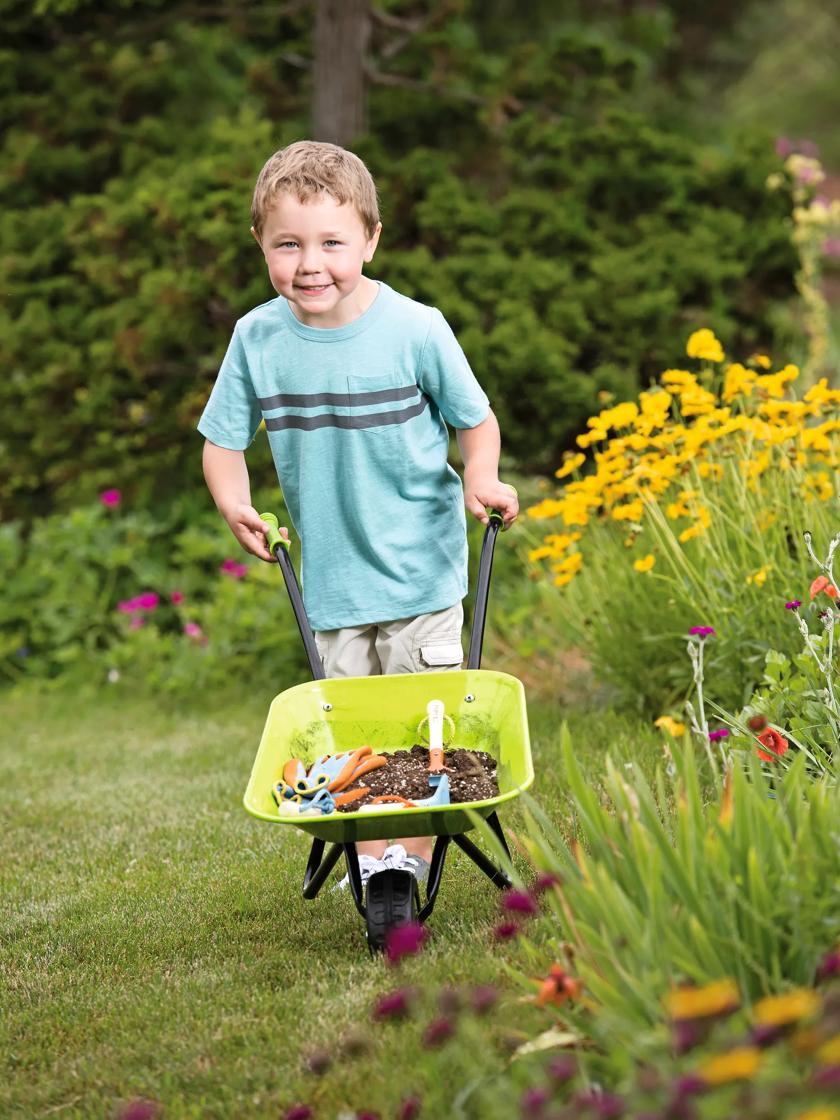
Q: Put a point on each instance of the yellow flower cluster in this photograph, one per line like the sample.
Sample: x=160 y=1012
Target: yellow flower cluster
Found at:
x=667 y=451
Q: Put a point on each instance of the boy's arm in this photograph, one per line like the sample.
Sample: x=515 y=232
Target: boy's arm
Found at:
x=227 y=479
x=480 y=447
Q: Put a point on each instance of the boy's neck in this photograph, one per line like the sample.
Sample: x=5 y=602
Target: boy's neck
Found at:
x=347 y=311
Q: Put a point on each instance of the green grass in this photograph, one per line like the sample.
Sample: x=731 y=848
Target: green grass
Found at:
x=153 y=937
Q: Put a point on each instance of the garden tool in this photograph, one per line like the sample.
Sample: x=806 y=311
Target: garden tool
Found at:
x=435 y=716
x=341 y=770
x=439 y=797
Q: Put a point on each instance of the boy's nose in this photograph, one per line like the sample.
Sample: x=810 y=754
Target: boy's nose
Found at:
x=310 y=262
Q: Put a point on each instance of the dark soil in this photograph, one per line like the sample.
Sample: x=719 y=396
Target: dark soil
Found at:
x=472 y=777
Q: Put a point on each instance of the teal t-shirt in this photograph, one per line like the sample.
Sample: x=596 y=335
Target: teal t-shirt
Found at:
x=356 y=418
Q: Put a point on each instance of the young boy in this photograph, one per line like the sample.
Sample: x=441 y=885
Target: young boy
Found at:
x=356 y=385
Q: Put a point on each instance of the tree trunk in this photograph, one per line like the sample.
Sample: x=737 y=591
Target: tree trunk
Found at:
x=342 y=31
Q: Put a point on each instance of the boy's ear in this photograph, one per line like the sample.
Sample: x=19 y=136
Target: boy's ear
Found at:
x=256 y=236
x=373 y=241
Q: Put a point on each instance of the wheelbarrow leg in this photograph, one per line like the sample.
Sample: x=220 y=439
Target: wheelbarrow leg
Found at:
x=494 y=873
x=435 y=876
x=317 y=871
x=354 y=875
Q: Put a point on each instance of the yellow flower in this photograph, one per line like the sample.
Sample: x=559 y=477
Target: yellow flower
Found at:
x=760 y=360
x=823 y=1113
x=679 y=378
x=548 y=507
x=759 y=578
x=703 y=344
x=738 y=1064
x=692 y=531
x=562 y=580
x=710 y=470
x=590 y=437
x=829 y=1052
x=622 y=416
x=777 y=1011
x=766 y=519
x=540 y=553
x=697 y=1003
x=669 y=724
x=632 y=511
x=737 y=380
x=571 y=464
x=773 y=384
x=646 y=563
x=571 y=565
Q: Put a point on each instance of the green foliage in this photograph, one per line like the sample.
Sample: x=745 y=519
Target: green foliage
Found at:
x=564 y=235
x=64 y=582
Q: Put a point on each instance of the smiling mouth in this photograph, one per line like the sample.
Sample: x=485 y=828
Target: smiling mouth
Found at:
x=312 y=289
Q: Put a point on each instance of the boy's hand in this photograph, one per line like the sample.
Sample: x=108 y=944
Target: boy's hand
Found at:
x=483 y=493
x=249 y=530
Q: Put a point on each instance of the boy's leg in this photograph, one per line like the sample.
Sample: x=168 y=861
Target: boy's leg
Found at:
x=351 y=652
x=429 y=643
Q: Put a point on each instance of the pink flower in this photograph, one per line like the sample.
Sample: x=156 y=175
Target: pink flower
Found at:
x=534 y=1101
x=136 y=621
x=505 y=931
x=404 y=941
x=483 y=998
x=702 y=631
x=110 y=498
x=721 y=733
x=176 y=598
x=831 y=247
x=193 y=630
x=231 y=568
x=410 y=1108
x=148 y=601
x=518 y=902
x=784 y=147
x=298 y=1112
x=544 y=881
x=437 y=1032
x=141 y=1110
x=128 y=606
x=394 y=1005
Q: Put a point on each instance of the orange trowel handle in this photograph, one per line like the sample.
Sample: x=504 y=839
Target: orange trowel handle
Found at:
x=436 y=761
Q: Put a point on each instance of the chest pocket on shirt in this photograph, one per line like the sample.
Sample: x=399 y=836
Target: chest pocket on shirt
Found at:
x=383 y=399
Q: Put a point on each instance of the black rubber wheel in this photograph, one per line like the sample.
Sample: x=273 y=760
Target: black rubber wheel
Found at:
x=392 y=900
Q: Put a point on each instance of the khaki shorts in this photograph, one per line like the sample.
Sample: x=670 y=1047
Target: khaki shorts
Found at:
x=428 y=643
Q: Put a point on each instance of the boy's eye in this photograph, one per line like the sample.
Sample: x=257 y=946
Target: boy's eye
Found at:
x=287 y=244
x=332 y=241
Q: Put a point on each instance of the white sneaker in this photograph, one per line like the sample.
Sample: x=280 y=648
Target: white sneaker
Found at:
x=398 y=859
x=368 y=866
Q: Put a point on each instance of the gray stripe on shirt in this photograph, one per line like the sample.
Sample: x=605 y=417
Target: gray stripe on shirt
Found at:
x=310 y=400
x=332 y=420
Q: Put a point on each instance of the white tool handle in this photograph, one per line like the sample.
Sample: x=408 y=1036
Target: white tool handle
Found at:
x=434 y=714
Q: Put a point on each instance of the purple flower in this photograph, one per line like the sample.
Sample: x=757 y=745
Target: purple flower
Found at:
x=544 y=881
x=404 y=941
x=505 y=931
x=483 y=998
x=110 y=498
x=176 y=598
x=765 y=1034
x=518 y=902
x=831 y=247
x=826 y=1078
x=534 y=1101
x=410 y=1108
x=367 y=1115
x=793 y=605
x=298 y=1112
x=148 y=601
x=686 y=1035
x=394 y=1005
x=702 y=631
x=437 y=1032
x=829 y=965
x=689 y=1085
x=721 y=733
x=561 y=1068
x=231 y=568
x=784 y=147
x=141 y=1110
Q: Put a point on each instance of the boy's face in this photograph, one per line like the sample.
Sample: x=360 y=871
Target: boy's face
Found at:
x=315 y=251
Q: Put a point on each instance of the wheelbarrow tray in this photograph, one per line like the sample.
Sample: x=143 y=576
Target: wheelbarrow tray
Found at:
x=328 y=716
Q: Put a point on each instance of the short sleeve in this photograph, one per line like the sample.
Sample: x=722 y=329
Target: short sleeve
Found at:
x=446 y=377
x=232 y=414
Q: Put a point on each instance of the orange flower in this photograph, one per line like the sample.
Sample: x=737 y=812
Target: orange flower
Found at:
x=774 y=742
x=557 y=987
x=821 y=584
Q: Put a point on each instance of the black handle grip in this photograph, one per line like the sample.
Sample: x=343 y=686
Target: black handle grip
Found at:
x=482 y=589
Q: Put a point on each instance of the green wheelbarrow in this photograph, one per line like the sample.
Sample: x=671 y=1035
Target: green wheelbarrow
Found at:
x=329 y=716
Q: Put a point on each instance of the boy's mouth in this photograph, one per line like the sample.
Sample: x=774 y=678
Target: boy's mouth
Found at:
x=312 y=289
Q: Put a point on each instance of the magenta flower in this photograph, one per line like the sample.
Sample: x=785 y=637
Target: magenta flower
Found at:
x=831 y=247
x=544 y=881
x=437 y=1032
x=721 y=733
x=404 y=941
x=793 y=605
x=561 y=1069
x=136 y=621
x=194 y=631
x=110 y=498
x=231 y=568
x=702 y=631
x=505 y=931
x=410 y=1108
x=518 y=902
x=176 y=598
x=829 y=965
x=148 y=601
x=394 y=1005
x=483 y=998
x=534 y=1100
x=141 y=1110
x=784 y=147
x=298 y=1112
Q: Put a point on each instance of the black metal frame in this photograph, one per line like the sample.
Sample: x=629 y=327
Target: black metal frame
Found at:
x=319 y=865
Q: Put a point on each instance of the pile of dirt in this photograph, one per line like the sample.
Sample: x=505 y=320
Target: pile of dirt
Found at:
x=472 y=777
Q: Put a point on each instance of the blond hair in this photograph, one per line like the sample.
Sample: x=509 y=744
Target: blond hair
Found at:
x=308 y=168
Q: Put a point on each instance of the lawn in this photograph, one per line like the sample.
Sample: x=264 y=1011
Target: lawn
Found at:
x=155 y=942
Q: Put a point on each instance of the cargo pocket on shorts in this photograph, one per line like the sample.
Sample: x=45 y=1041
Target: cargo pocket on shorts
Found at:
x=440 y=653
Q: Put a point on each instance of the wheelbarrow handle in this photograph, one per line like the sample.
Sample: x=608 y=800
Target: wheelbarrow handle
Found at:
x=482 y=588
x=280 y=547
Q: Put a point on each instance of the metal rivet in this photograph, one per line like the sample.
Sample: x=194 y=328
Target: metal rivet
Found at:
x=469 y=698
x=327 y=707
